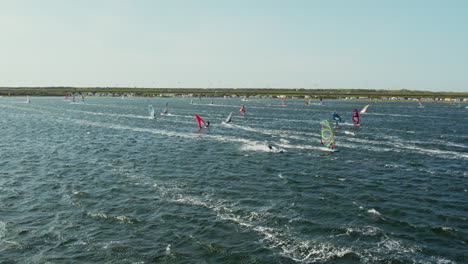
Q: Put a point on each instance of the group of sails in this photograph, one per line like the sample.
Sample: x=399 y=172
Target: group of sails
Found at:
x=327 y=134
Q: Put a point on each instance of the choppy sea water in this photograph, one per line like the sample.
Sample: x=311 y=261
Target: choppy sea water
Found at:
x=100 y=182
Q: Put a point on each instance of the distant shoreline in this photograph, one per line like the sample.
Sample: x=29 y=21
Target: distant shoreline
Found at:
x=299 y=93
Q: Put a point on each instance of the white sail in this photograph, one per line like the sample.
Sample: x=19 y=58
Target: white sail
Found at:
x=229 y=118
x=364 y=109
x=165 y=110
x=151 y=112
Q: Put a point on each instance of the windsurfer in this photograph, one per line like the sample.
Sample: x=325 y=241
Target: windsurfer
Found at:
x=273 y=149
x=337 y=119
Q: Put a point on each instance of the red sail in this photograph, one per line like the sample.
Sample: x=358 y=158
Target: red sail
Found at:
x=242 y=110
x=356 y=117
x=200 y=121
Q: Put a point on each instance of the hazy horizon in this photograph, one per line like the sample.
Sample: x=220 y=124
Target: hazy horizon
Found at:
x=378 y=45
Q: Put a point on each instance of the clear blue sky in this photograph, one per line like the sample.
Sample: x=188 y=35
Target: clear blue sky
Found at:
x=369 y=44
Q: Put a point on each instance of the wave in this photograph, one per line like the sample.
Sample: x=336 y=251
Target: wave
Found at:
x=2 y=229
x=121 y=219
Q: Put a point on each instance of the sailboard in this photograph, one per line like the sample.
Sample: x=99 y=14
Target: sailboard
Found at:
x=73 y=99
x=228 y=119
x=27 y=100
x=242 y=110
x=151 y=112
x=283 y=103
x=420 y=105
x=328 y=139
x=364 y=109
x=165 y=112
x=200 y=123
x=306 y=101
x=337 y=119
x=356 y=118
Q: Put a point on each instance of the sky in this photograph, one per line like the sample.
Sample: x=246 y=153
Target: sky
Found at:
x=311 y=44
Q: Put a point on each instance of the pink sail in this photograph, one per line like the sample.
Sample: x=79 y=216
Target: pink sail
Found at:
x=356 y=119
x=283 y=103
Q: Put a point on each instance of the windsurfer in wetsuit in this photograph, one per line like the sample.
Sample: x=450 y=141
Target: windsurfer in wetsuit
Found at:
x=337 y=119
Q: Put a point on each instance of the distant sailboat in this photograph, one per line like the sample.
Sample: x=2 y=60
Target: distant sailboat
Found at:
x=244 y=99
x=191 y=101
x=356 y=118
x=328 y=139
x=364 y=109
x=306 y=101
x=82 y=98
x=228 y=119
x=211 y=101
x=164 y=112
x=283 y=103
x=151 y=112
x=27 y=100
x=420 y=105
x=242 y=110
x=67 y=97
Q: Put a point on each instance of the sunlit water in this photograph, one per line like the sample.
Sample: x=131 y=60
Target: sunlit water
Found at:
x=101 y=182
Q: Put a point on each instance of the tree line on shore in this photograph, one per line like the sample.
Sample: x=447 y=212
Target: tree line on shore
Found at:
x=221 y=92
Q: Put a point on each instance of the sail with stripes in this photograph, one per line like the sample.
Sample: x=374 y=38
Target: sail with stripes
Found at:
x=327 y=137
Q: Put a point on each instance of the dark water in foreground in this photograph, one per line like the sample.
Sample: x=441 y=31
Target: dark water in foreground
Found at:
x=100 y=182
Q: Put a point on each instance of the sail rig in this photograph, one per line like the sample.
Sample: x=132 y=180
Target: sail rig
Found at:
x=283 y=103
x=242 y=110
x=420 y=105
x=328 y=139
x=364 y=109
x=151 y=112
x=200 y=122
x=165 y=110
x=356 y=118
x=337 y=119
x=228 y=119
